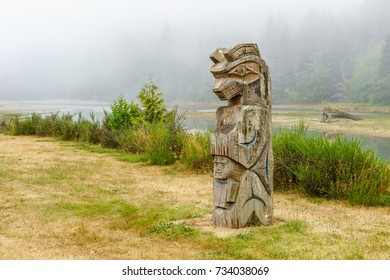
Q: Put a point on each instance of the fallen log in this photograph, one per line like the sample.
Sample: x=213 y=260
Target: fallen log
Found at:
x=329 y=114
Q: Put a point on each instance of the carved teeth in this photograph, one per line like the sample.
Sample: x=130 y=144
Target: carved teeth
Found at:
x=230 y=91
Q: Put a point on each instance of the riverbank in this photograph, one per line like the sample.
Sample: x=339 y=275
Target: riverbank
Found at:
x=60 y=202
x=376 y=119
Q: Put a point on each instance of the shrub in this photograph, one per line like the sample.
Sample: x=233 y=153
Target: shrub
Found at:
x=109 y=138
x=94 y=133
x=134 y=140
x=154 y=108
x=14 y=126
x=67 y=127
x=50 y=126
x=123 y=115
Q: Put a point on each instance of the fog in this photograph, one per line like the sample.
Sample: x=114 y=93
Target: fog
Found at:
x=99 y=49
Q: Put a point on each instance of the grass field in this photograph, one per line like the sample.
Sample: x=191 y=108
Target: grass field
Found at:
x=58 y=201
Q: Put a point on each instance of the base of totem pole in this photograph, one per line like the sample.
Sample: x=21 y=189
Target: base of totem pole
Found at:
x=239 y=219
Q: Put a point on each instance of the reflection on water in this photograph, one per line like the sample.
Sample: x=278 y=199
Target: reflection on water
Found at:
x=380 y=144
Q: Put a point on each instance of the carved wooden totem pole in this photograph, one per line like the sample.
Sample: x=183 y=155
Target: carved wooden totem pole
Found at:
x=242 y=142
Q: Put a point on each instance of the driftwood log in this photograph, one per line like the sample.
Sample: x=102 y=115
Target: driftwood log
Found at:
x=329 y=114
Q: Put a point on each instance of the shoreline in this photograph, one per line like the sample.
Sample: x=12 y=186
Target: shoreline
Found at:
x=376 y=120
x=372 y=125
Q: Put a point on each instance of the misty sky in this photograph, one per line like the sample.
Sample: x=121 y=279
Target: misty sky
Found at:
x=69 y=48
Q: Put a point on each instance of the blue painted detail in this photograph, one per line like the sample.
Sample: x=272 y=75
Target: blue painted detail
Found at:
x=221 y=183
x=247 y=145
x=266 y=166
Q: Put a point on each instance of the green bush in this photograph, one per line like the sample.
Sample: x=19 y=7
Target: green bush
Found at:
x=31 y=124
x=51 y=125
x=67 y=127
x=14 y=126
x=94 y=130
x=154 y=108
x=123 y=115
x=134 y=140
x=109 y=138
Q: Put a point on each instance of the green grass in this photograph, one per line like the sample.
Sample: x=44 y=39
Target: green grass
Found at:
x=120 y=155
x=275 y=242
x=63 y=210
x=159 y=219
x=338 y=169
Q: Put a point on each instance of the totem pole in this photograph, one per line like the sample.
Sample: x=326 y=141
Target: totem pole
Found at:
x=242 y=142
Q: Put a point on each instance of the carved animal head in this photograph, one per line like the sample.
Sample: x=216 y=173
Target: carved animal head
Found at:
x=238 y=72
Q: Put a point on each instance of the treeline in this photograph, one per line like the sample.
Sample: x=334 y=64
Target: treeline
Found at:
x=148 y=132
x=331 y=59
x=322 y=58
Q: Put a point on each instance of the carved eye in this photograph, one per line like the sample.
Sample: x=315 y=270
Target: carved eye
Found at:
x=241 y=70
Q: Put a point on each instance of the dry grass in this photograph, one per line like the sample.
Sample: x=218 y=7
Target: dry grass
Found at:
x=60 y=202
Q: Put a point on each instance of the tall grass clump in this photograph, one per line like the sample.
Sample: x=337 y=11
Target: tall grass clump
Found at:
x=24 y=125
x=196 y=151
x=159 y=150
x=339 y=169
x=57 y=126
x=133 y=140
x=34 y=125
x=81 y=129
x=287 y=156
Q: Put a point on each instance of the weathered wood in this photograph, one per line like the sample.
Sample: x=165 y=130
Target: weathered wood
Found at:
x=329 y=114
x=242 y=142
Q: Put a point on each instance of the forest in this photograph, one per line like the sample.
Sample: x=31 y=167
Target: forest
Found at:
x=330 y=59
x=320 y=58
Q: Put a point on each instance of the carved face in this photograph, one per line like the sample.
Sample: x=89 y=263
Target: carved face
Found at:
x=222 y=167
x=229 y=84
x=234 y=69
